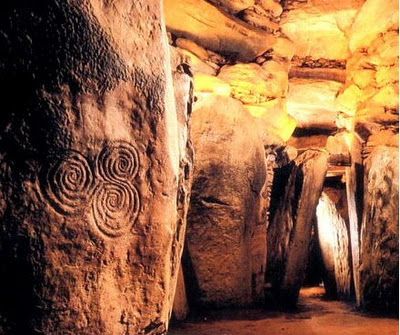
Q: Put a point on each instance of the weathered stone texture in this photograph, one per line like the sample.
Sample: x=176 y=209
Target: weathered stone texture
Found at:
x=379 y=259
x=213 y=29
x=384 y=15
x=233 y=6
x=183 y=88
x=227 y=217
x=371 y=90
x=252 y=84
x=312 y=102
x=89 y=169
x=354 y=175
x=289 y=233
x=334 y=243
x=318 y=28
x=370 y=103
x=180 y=309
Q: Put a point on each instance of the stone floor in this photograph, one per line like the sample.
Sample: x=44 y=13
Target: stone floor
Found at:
x=316 y=316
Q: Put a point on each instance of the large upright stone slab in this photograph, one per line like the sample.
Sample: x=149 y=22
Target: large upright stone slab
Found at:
x=289 y=233
x=354 y=192
x=379 y=257
x=89 y=169
x=334 y=243
x=183 y=88
x=226 y=236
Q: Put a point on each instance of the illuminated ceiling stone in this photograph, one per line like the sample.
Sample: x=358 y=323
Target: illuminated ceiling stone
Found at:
x=318 y=28
x=383 y=15
x=213 y=29
x=312 y=102
x=253 y=84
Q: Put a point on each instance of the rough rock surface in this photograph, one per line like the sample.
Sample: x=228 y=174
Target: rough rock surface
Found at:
x=318 y=28
x=334 y=242
x=354 y=175
x=312 y=102
x=338 y=75
x=252 y=84
x=180 y=309
x=206 y=25
x=369 y=102
x=183 y=88
x=379 y=283
x=371 y=90
x=272 y=6
x=89 y=241
x=383 y=14
x=289 y=233
x=227 y=217
x=233 y=6
x=194 y=62
x=257 y=16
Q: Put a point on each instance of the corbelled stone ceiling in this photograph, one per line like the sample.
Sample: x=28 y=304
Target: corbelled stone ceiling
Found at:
x=285 y=61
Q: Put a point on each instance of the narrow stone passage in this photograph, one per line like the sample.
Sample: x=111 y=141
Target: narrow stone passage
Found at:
x=315 y=316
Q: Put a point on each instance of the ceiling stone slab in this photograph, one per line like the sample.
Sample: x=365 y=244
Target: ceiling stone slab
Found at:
x=213 y=29
x=315 y=34
x=318 y=27
x=338 y=75
x=312 y=102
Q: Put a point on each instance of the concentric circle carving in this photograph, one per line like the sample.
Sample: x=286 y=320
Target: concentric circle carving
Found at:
x=118 y=161
x=115 y=207
x=69 y=183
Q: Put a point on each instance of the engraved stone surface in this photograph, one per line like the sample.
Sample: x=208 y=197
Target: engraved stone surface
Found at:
x=68 y=183
x=115 y=207
x=118 y=162
x=71 y=187
x=91 y=205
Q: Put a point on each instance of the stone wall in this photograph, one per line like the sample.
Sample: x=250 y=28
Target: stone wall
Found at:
x=370 y=113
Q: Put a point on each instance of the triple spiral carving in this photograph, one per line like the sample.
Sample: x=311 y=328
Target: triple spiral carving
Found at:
x=106 y=192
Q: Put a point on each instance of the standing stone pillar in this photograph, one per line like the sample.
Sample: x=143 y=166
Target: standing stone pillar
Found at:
x=379 y=257
x=354 y=192
x=227 y=218
x=183 y=89
x=89 y=169
x=334 y=243
x=289 y=233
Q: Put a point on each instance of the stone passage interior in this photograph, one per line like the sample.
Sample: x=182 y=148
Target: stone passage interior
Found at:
x=198 y=167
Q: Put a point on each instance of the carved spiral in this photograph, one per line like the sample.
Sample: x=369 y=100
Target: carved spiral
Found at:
x=118 y=162
x=69 y=183
x=115 y=207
